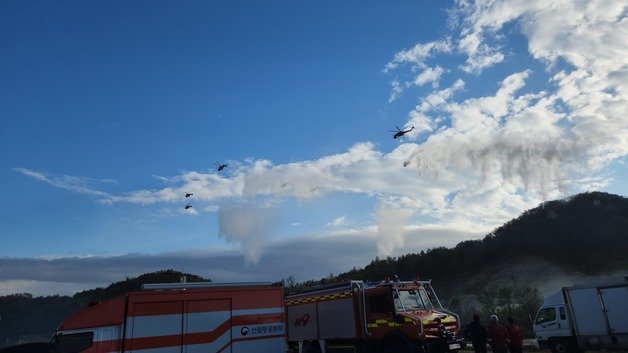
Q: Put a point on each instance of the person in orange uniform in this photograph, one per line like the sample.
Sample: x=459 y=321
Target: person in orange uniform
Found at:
x=497 y=335
x=515 y=336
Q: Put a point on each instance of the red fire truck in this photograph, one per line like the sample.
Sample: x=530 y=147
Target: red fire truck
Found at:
x=388 y=316
x=181 y=318
x=212 y=317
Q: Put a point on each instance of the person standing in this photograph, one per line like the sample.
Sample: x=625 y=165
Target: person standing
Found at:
x=476 y=332
x=515 y=336
x=497 y=335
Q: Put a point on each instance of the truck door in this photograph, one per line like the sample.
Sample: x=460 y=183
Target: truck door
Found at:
x=157 y=325
x=379 y=308
x=208 y=326
x=615 y=302
x=303 y=322
x=552 y=321
x=586 y=308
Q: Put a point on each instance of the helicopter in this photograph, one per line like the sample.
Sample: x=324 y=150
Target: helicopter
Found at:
x=188 y=194
x=399 y=133
x=220 y=166
x=188 y=206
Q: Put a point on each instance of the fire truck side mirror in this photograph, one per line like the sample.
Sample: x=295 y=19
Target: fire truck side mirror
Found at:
x=398 y=319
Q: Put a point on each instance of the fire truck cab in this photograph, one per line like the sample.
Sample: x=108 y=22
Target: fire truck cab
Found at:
x=399 y=316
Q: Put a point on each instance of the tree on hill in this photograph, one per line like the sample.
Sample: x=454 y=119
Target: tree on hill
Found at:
x=24 y=315
x=134 y=284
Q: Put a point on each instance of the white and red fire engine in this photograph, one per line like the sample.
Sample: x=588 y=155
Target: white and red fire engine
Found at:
x=388 y=317
x=181 y=318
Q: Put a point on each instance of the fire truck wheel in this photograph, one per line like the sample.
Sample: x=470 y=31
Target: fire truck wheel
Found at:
x=559 y=346
x=312 y=348
x=397 y=347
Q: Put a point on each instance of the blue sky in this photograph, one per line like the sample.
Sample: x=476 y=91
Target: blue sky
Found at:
x=111 y=111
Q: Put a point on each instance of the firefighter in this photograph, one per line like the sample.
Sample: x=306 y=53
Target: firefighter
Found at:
x=515 y=336
x=476 y=332
x=497 y=335
x=442 y=334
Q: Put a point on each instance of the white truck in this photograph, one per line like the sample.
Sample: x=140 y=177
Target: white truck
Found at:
x=584 y=317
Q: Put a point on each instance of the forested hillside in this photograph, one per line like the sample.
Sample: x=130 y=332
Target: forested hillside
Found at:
x=586 y=233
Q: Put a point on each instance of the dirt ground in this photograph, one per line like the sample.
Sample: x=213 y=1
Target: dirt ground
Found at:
x=528 y=346
x=536 y=350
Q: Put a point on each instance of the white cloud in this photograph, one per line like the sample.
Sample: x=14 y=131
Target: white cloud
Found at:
x=516 y=137
x=395 y=91
x=543 y=141
x=479 y=55
x=248 y=225
x=479 y=22
x=81 y=185
x=417 y=55
x=340 y=221
x=430 y=74
x=391 y=224
x=204 y=186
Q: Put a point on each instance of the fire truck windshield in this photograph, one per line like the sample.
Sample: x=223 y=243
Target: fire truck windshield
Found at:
x=412 y=300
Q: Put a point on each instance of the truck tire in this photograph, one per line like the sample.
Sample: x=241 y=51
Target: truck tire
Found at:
x=311 y=347
x=397 y=347
x=559 y=346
